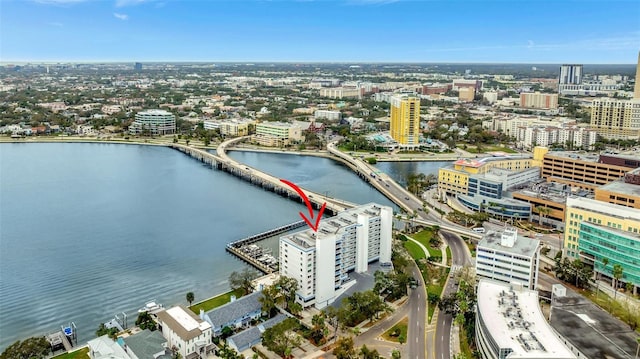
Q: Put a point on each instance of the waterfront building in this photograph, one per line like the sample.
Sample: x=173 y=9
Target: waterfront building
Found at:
x=229 y=127
x=328 y=114
x=184 y=330
x=405 y=120
x=105 y=348
x=321 y=261
x=253 y=336
x=506 y=257
x=147 y=345
x=581 y=170
x=277 y=134
x=510 y=324
x=235 y=314
x=538 y=100
x=616 y=119
x=156 y=122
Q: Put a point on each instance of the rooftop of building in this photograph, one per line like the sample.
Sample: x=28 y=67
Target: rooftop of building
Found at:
x=253 y=335
x=276 y=124
x=155 y=112
x=622 y=187
x=105 y=348
x=508 y=240
x=603 y=208
x=583 y=156
x=550 y=191
x=231 y=120
x=594 y=332
x=183 y=322
x=330 y=226
x=146 y=344
x=479 y=162
x=235 y=309
x=513 y=317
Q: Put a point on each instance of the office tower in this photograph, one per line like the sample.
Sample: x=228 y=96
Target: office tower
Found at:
x=156 y=122
x=405 y=120
x=137 y=66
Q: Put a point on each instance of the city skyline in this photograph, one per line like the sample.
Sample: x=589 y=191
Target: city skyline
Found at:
x=319 y=31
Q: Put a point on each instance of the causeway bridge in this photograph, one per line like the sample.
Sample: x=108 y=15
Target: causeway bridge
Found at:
x=223 y=162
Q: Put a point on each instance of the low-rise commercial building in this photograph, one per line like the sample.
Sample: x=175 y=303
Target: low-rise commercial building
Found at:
x=277 y=134
x=185 y=331
x=321 y=261
x=154 y=122
x=506 y=257
x=510 y=324
x=229 y=127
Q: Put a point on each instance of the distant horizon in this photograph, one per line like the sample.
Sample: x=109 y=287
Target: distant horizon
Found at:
x=248 y=62
x=321 y=31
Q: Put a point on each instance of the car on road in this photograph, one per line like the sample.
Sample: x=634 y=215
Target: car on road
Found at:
x=407 y=198
x=478 y=230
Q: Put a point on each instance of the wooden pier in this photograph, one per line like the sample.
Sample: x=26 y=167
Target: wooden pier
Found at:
x=261 y=259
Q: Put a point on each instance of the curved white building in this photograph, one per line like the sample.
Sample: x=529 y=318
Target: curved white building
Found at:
x=157 y=122
x=510 y=324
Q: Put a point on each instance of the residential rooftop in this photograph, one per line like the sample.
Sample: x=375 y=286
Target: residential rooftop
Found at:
x=147 y=344
x=252 y=336
x=183 y=322
x=235 y=309
x=513 y=317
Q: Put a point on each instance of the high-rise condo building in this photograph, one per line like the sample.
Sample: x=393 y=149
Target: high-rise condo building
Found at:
x=405 y=120
x=570 y=75
x=616 y=119
x=321 y=261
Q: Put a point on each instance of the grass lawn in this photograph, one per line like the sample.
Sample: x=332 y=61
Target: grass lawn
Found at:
x=215 y=301
x=436 y=287
x=484 y=149
x=424 y=237
x=400 y=328
x=78 y=354
x=448 y=256
x=414 y=250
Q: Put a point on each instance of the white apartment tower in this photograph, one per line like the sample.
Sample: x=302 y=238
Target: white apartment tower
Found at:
x=320 y=261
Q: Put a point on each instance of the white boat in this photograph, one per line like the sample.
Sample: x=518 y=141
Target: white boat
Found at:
x=151 y=307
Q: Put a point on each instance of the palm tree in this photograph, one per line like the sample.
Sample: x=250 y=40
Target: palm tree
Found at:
x=542 y=212
x=605 y=261
x=617 y=274
x=190 y=297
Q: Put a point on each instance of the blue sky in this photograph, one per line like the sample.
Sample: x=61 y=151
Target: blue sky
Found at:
x=521 y=31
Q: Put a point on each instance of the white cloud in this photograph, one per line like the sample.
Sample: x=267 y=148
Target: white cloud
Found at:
x=59 y=2
x=121 y=16
x=56 y=24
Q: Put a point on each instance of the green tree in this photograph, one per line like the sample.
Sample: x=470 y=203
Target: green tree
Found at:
x=243 y=280
x=103 y=330
x=344 y=348
x=190 y=297
x=32 y=348
x=395 y=354
x=281 y=338
x=605 y=261
x=145 y=321
x=366 y=353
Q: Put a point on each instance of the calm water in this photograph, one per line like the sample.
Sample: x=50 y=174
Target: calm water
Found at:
x=91 y=230
x=400 y=170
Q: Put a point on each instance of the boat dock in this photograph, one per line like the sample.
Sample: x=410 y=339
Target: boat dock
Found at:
x=260 y=258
